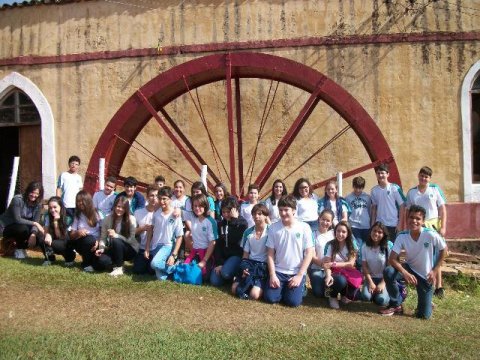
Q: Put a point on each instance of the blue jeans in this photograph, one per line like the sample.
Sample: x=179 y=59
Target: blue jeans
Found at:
x=381 y=299
x=361 y=235
x=339 y=285
x=142 y=265
x=290 y=296
x=313 y=225
x=317 y=280
x=424 y=290
x=159 y=262
x=229 y=270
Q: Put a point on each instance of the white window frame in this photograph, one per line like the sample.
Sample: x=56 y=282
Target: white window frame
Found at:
x=49 y=162
x=471 y=191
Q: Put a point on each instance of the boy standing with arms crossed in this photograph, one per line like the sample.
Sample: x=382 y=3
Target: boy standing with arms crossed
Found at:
x=388 y=203
x=290 y=248
x=431 y=198
x=424 y=255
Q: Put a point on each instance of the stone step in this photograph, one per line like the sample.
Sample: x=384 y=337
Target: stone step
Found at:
x=465 y=246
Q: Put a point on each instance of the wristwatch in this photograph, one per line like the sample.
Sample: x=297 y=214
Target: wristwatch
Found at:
x=174 y=256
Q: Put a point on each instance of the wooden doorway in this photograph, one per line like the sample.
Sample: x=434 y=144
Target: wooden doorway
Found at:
x=20 y=135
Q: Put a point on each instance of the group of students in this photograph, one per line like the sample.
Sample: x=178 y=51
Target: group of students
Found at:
x=349 y=247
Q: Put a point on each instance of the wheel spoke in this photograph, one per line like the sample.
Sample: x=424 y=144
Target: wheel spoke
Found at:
x=188 y=144
x=289 y=136
x=170 y=134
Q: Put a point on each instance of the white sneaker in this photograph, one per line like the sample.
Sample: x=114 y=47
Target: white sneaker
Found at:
x=89 y=269
x=46 y=263
x=117 y=271
x=333 y=302
x=69 y=263
x=19 y=254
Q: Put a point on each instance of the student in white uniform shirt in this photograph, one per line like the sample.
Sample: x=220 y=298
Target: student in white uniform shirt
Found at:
x=290 y=250
x=103 y=199
x=424 y=255
x=69 y=184
x=431 y=198
x=325 y=234
x=307 y=203
x=246 y=207
x=279 y=189
x=144 y=218
x=165 y=236
x=388 y=202
x=375 y=254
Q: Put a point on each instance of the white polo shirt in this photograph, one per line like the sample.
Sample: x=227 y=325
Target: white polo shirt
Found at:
x=388 y=200
x=421 y=255
x=289 y=245
x=431 y=199
x=166 y=228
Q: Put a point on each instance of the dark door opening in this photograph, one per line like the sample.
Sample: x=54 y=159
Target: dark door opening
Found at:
x=9 y=148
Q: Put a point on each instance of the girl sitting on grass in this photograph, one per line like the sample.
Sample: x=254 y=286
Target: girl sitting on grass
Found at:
x=204 y=234
x=339 y=264
x=117 y=239
x=325 y=234
x=374 y=260
x=57 y=240
x=85 y=229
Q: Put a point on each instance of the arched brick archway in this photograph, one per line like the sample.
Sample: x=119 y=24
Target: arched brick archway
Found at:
x=153 y=96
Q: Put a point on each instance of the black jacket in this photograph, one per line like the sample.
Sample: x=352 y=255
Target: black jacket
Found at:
x=229 y=241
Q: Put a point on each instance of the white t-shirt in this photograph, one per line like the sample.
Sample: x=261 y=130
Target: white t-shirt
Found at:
x=360 y=206
x=289 y=245
x=82 y=223
x=203 y=231
x=342 y=256
x=430 y=200
x=246 y=213
x=179 y=203
x=187 y=212
x=376 y=259
x=274 y=214
x=387 y=200
x=256 y=248
x=421 y=255
x=104 y=203
x=70 y=184
x=320 y=243
x=166 y=228
x=144 y=217
x=307 y=208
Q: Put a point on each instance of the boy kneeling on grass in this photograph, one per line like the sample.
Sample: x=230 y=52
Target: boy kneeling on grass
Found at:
x=425 y=252
x=290 y=249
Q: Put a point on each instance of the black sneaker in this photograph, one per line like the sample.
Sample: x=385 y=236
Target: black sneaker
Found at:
x=439 y=293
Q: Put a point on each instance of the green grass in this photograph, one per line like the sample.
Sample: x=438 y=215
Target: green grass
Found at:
x=60 y=313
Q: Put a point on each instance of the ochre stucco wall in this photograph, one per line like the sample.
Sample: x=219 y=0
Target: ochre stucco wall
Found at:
x=411 y=90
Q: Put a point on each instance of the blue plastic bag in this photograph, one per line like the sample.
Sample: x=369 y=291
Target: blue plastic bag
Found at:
x=188 y=274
